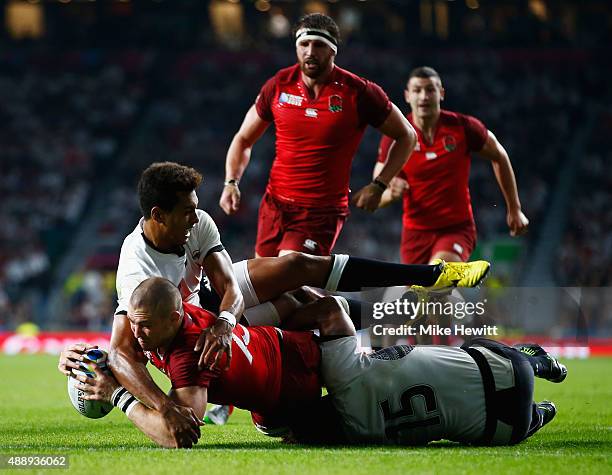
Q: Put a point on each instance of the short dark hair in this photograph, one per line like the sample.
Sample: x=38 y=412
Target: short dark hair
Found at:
x=158 y=295
x=424 y=72
x=160 y=183
x=320 y=22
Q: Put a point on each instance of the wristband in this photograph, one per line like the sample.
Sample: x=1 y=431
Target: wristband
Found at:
x=129 y=410
x=378 y=183
x=227 y=317
x=232 y=182
x=124 y=400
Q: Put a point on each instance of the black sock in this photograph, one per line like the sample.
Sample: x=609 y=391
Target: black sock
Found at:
x=536 y=421
x=359 y=273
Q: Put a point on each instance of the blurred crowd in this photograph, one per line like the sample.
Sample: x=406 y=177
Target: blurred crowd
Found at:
x=79 y=125
x=64 y=118
x=585 y=256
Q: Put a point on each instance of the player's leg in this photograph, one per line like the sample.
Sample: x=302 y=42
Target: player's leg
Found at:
x=516 y=415
x=270 y=277
x=416 y=246
x=544 y=366
x=542 y=413
x=307 y=309
x=328 y=314
x=311 y=231
x=269 y=228
x=508 y=387
x=454 y=244
x=276 y=312
x=445 y=256
x=440 y=253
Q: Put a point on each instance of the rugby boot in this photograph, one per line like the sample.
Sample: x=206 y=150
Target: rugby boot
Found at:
x=544 y=365
x=460 y=274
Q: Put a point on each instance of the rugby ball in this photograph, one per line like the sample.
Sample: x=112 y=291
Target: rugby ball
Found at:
x=91 y=409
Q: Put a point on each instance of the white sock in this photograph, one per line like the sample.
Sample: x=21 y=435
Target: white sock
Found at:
x=262 y=314
x=340 y=261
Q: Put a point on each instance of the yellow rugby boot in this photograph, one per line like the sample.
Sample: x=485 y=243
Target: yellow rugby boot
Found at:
x=461 y=274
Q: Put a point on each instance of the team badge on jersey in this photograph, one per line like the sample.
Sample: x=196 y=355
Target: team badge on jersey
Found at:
x=291 y=99
x=450 y=143
x=335 y=103
x=310 y=244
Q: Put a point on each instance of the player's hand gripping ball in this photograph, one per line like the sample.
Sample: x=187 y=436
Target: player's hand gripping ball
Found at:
x=91 y=409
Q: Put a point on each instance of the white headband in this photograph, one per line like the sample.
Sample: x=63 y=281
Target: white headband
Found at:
x=316 y=34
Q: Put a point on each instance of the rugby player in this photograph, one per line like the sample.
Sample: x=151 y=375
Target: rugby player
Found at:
x=478 y=394
x=437 y=221
x=320 y=113
x=177 y=241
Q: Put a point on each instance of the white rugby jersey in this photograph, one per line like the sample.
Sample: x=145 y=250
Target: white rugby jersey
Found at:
x=139 y=261
x=409 y=396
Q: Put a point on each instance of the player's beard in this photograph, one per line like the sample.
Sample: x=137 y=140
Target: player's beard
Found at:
x=318 y=70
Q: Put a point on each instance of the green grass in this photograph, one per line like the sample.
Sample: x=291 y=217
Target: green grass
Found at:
x=36 y=417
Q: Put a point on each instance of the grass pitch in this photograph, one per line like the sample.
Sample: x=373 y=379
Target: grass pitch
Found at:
x=36 y=417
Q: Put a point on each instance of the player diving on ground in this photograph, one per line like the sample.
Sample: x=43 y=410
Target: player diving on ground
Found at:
x=481 y=393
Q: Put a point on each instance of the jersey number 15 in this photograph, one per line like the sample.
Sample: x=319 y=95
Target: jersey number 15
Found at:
x=392 y=425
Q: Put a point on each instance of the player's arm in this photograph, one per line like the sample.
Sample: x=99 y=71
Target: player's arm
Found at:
x=151 y=422
x=395 y=191
x=238 y=156
x=494 y=151
x=128 y=364
x=217 y=339
x=397 y=127
x=153 y=425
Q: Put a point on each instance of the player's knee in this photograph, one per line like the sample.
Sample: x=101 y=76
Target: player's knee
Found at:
x=306 y=295
x=301 y=263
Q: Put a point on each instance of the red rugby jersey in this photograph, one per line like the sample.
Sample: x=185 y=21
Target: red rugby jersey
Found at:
x=253 y=381
x=316 y=139
x=257 y=379
x=438 y=173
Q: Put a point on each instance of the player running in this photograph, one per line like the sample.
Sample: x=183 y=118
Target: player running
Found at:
x=181 y=243
x=438 y=222
x=479 y=394
x=320 y=112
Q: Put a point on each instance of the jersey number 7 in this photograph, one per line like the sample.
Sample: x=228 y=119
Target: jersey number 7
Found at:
x=243 y=342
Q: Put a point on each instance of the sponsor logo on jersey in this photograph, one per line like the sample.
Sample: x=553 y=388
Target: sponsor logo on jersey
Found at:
x=310 y=244
x=431 y=155
x=311 y=113
x=335 y=103
x=458 y=248
x=450 y=143
x=290 y=99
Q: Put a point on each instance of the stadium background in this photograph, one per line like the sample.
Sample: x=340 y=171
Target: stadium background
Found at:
x=91 y=92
